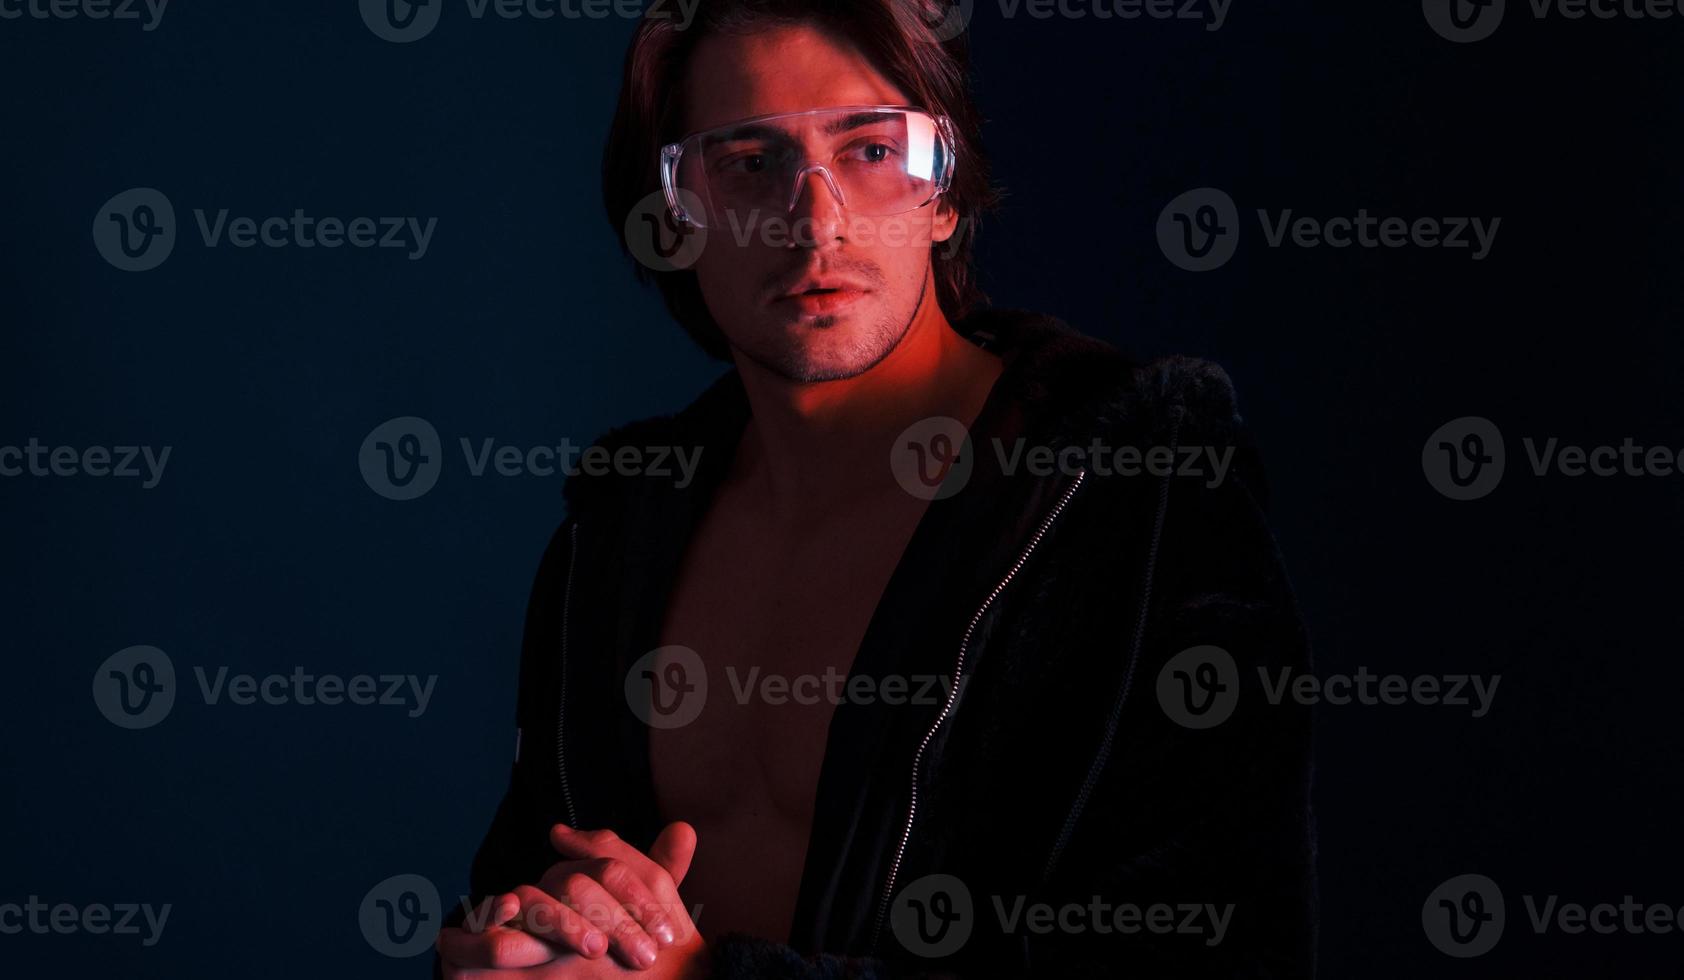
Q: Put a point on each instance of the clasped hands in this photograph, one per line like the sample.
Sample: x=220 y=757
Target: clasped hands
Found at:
x=605 y=910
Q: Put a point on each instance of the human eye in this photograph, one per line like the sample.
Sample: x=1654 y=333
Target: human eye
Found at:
x=874 y=152
x=744 y=164
x=747 y=160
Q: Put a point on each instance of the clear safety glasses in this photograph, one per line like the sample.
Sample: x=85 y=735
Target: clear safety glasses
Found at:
x=876 y=160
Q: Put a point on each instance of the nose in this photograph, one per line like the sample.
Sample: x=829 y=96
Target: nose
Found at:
x=818 y=204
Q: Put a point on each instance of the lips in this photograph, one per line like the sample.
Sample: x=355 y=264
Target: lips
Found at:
x=820 y=301
x=814 y=283
x=822 y=294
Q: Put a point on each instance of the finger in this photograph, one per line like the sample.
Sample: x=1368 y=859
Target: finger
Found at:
x=494 y=910
x=674 y=848
x=508 y=906
x=549 y=918
x=666 y=922
x=598 y=845
x=494 y=949
x=626 y=938
x=656 y=905
x=671 y=851
x=628 y=888
x=586 y=844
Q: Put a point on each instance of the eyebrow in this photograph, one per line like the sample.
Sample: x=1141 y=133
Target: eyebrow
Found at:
x=747 y=131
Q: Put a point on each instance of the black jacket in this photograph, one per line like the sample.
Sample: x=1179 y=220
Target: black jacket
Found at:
x=1055 y=775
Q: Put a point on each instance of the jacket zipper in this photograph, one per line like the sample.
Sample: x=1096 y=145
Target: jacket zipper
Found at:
x=561 y=707
x=952 y=693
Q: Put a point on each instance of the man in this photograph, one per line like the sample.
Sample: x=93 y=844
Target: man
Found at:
x=1002 y=783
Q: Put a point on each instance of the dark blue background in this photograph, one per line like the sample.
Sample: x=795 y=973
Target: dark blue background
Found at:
x=262 y=548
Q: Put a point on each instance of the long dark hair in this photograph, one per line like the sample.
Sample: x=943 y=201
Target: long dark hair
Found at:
x=896 y=35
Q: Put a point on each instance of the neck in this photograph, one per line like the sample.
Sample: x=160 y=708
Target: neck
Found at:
x=811 y=443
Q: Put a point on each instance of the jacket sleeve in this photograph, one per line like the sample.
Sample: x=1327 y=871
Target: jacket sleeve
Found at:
x=736 y=955
x=1198 y=799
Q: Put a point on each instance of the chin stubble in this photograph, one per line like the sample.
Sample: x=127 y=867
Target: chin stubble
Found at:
x=877 y=343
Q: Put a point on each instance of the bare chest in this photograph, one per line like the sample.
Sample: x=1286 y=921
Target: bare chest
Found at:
x=774 y=622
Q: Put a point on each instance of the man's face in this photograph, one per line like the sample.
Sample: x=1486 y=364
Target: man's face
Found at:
x=755 y=267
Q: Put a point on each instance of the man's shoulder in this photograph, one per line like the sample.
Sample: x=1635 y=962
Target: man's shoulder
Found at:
x=1079 y=382
x=619 y=460
x=659 y=452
